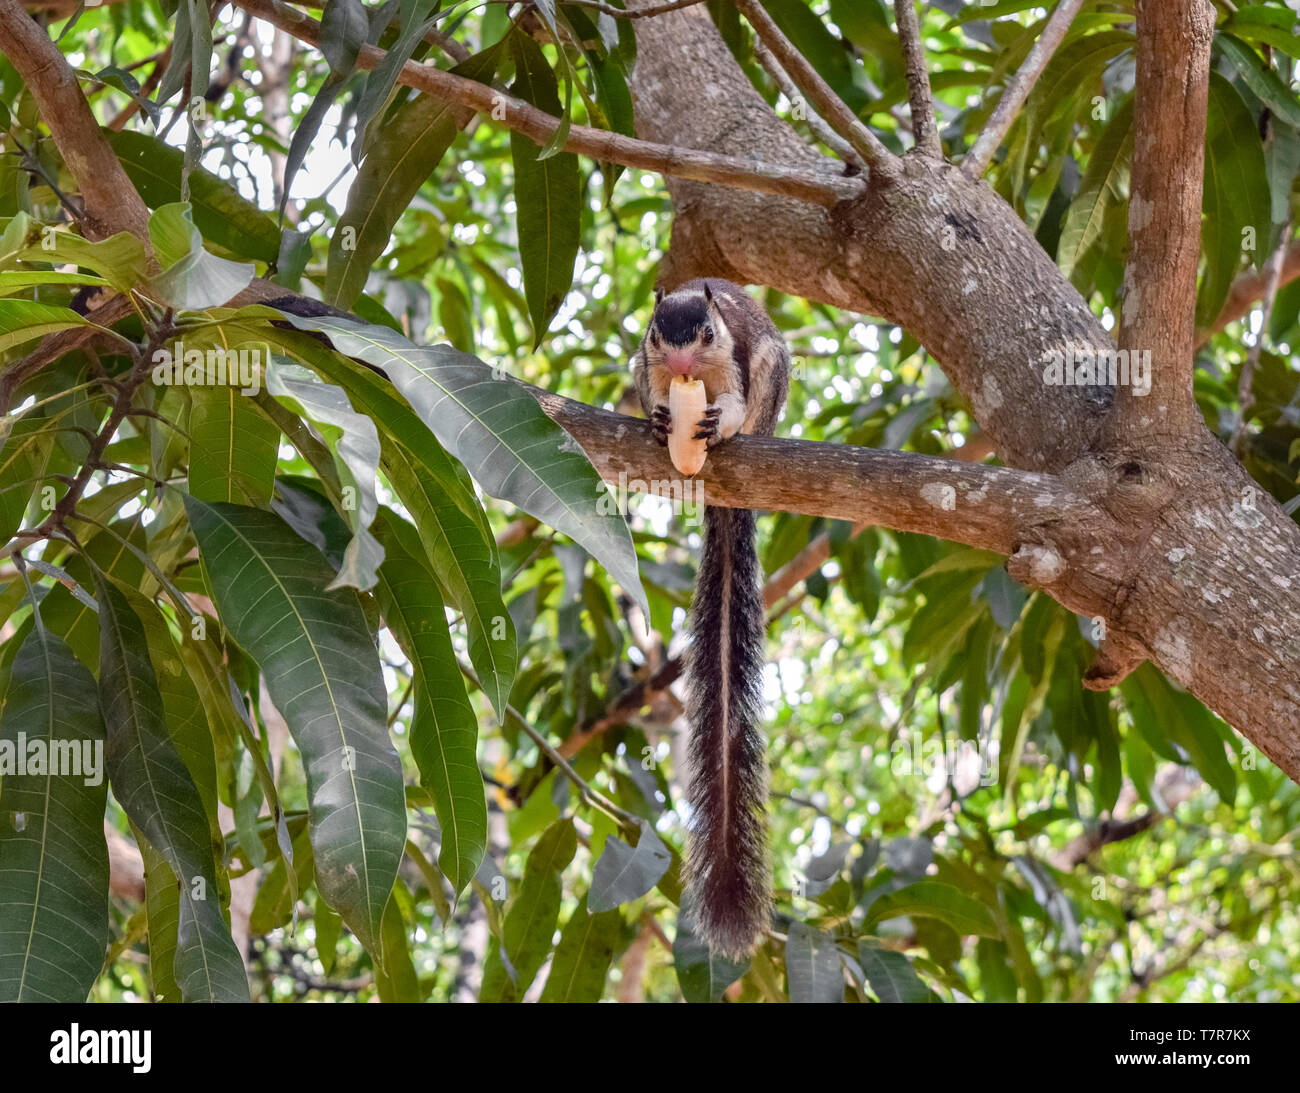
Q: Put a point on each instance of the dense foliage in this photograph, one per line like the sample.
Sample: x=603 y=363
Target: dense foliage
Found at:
x=954 y=815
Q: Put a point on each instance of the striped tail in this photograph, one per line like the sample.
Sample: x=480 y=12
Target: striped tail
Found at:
x=727 y=863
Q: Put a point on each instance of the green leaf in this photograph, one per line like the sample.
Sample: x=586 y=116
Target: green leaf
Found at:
x=322 y=671
x=192 y=278
x=53 y=858
x=891 y=976
x=156 y=791
x=233 y=448
x=411 y=145
x=444 y=730
x=933 y=899
x=497 y=430
x=1161 y=710
x=623 y=874
x=22 y=465
x=548 y=194
x=1273 y=26
x=120 y=258
x=398 y=981
x=344 y=27
x=19 y=280
x=530 y=921
x=582 y=958
x=162 y=902
x=812 y=965
x=224 y=217
x=702 y=976
x=354 y=443
x=440 y=499
x=414 y=23
x=1100 y=191
x=1236 y=195
x=1260 y=78
x=24 y=321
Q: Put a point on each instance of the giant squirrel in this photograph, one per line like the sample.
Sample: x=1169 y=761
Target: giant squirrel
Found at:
x=713 y=331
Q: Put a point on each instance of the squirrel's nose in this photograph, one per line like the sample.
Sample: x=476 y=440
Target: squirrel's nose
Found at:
x=681 y=362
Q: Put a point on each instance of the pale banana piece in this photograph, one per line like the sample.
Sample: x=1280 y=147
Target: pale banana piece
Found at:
x=687 y=402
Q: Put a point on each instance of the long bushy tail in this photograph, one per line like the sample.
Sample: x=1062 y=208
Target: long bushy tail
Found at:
x=727 y=862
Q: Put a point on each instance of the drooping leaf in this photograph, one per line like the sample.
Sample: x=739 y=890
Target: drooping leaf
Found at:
x=501 y=436
x=233 y=448
x=530 y=920
x=322 y=671
x=158 y=794
x=624 y=873
x=1260 y=78
x=1099 y=193
x=933 y=899
x=1235 y=198
x=53 y=858
x=354 y=443
x=444 y=730
x=892 y=976
x=192 y=278
x=547 y=193
x=582 y=958
x=812 y=965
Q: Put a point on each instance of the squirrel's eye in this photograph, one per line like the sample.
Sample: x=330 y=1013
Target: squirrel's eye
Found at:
x=706 y=335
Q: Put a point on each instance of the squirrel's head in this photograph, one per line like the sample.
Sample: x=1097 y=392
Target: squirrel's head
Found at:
x=687 y=334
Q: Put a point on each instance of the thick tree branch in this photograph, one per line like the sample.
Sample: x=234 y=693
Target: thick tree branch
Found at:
x=829 y=105
x=924 y=128
x=1164 y=218
x=994 y=508
x=599 y=144
x=111 y=203
x=977 y=160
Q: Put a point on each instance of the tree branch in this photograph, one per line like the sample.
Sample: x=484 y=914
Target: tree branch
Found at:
x=635 y=13
x=829 y=105
x=1245 y=393
x=994 y=508
x=110 y=200
x=1164 y=218
x=816 y=123
x=977 y=160
x=924 y=128
x=598 y=144
x=1247 y=290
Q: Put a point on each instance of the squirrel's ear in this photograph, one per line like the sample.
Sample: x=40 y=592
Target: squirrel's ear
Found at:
x=708 y=293
x=659 y=295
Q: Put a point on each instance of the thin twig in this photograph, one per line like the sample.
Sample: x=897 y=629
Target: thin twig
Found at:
x=924 y=129
x=817 y=91
x=1248 y=289
x=588 y=792
x=820 y=129
x=634 y=13
x=976 y=161
x=598 y=144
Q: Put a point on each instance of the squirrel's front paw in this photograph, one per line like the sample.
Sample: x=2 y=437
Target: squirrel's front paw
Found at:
x=707 y=427
x=661 y=424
